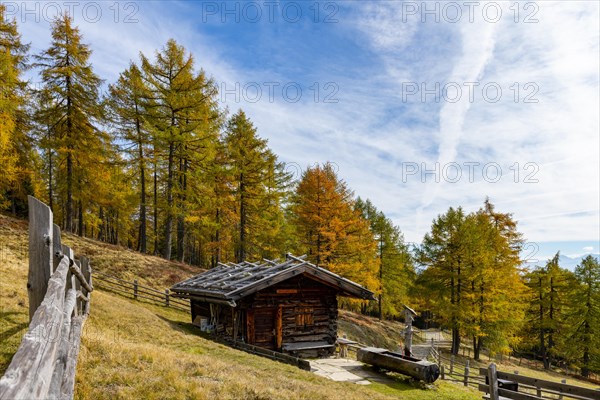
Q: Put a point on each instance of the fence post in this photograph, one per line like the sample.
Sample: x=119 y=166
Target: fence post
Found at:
x=467 y=370
x=41 y=263
x=442 y=372
x=538 y=390
x=560 y=396
x=56 y=245
x=135 y=289
x=493 y=382
x=451 y=364
x=167 y=297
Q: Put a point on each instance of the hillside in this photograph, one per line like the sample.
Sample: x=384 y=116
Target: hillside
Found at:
x=136 y=350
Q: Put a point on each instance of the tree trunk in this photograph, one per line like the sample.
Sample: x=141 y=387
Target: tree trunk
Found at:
x=69 y=208
x=381 y=275
x=142 y=231
x=102 y=226
x=542 y=338
x=80 y=222
x=155 y=205
x=242 y=246
x=183 y=166
x=50 y=192
x=217 y=251
x=169 y=218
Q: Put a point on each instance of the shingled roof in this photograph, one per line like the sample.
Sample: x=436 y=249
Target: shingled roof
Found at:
x=227 y=283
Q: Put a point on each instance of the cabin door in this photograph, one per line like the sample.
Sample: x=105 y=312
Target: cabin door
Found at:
x=264 y=327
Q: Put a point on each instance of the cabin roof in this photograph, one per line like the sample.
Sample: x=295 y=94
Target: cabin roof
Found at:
x=229 y=282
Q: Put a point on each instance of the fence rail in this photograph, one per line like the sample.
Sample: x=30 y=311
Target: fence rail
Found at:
x=496 y=386
x=529 y=388
x=137 y=291
x=59 y=288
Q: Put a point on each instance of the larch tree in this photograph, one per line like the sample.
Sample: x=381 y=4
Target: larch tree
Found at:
x=258 y=186
x=583 y=319
x=15 y=145
x=127 y=103
x=443 y=253
x=494 y=293
x=396 y=270
x=183 y=113
x=333 y=233
x=548 y=307
x=72 y=92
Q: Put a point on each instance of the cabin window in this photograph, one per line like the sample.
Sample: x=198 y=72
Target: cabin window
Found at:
x=304 y=316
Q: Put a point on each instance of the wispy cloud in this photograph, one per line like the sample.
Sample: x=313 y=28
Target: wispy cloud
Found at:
x=548 y=151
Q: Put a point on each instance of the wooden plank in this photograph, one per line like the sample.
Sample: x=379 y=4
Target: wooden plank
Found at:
x=493 y=382
x=41 y=263
x=56 y=246
x=30 y=371
x=63 y=350
x=76 y=270
x=550 y=385
x=557 y=387
x=507 y=394
x=86 y=270
x=250 y=326
x=278 y=327
x=68 y=383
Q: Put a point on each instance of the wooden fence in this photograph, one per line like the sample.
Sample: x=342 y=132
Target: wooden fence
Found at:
x=528 y=388
x=497 y=385
x=59 y=288
x=137 y=291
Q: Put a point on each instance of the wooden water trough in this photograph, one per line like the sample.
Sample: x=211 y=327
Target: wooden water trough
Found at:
x=382 y=358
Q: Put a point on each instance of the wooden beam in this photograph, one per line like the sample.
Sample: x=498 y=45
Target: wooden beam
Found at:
x=279 y=327
x=63 y=350
x=493 y=382
x=56 y=246
x=30 y=372
x=68 y=383
x=41 y=258
x=75 y=270
x=250 y=326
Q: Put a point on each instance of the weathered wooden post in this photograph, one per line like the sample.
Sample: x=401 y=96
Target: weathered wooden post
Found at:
x=442 y=374
x=560 y=396
x=167 y=297
x=493 y=382
x=56 y=246
x=409 y=315
x=135 y=289
x=86 y=271
x=467 y=370
x=451 y=364
x=41 y=258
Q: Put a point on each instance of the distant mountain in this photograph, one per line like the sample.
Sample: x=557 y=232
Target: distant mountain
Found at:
x=564 y=261
x=571 y=262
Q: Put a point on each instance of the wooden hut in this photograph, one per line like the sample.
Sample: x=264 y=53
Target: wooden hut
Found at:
x=288 y=306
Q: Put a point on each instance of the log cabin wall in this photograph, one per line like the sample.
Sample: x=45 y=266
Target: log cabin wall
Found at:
x=308 y=312
x=300 y=309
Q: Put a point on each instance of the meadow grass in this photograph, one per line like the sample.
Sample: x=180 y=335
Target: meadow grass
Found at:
x=133 y=350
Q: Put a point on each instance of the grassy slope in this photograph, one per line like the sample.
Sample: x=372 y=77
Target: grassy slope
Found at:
x=370 y=331
x=136 y=350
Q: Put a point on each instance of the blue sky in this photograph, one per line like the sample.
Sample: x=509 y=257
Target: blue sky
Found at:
x=418 y=115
